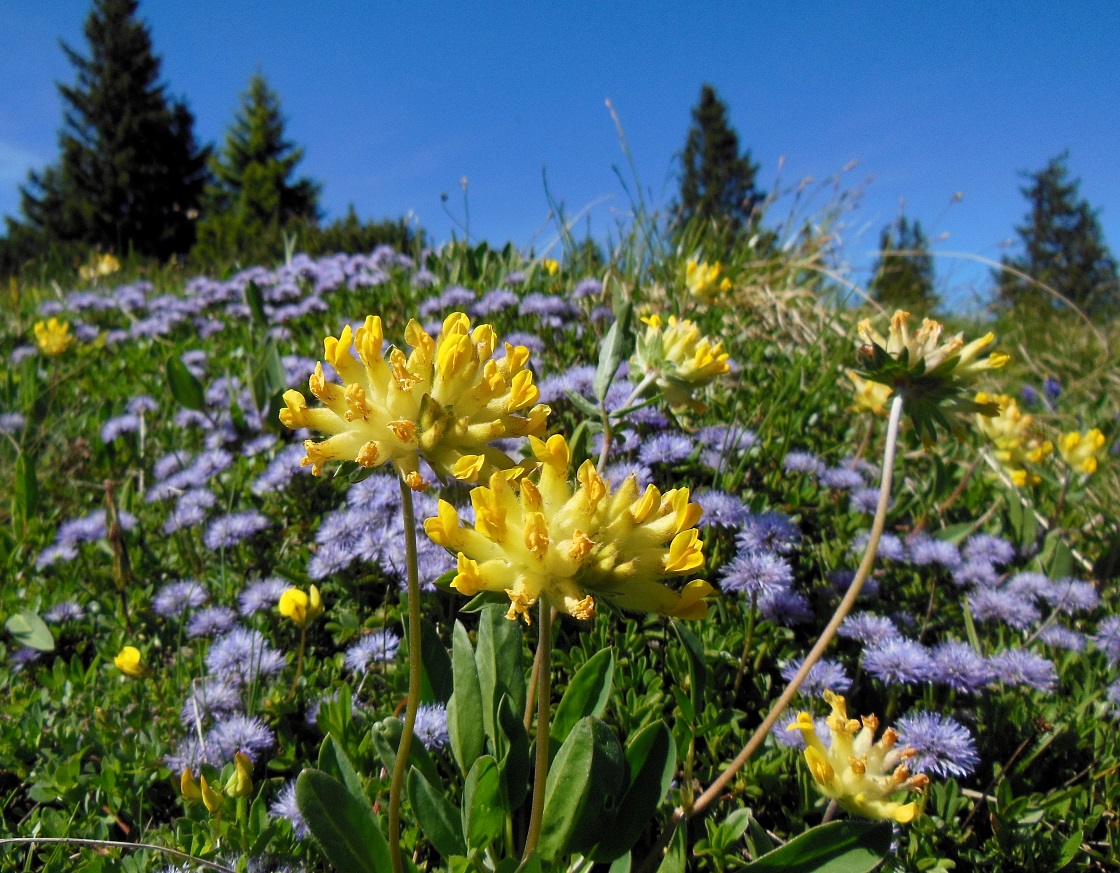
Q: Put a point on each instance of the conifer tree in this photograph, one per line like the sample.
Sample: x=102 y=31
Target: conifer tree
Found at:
x=253 y=194
x=1063 y=246
x=130 y=175
x=717 y=182
x=903 y=276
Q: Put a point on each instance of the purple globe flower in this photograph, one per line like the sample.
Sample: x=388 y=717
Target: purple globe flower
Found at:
x=944 y=746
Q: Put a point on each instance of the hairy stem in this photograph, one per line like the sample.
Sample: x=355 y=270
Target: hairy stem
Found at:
x=544 y=702
x=400 y=768
x=845 y=606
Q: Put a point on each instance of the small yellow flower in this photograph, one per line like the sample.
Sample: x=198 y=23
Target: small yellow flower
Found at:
x=1082 y=451
x=550 y=266
x=855 y=771
x=869 y=396
x=930 y=373
x=538 y=536
x=445 y=402
x=212 y=799
x=680 y=358
x=192 y=792
x=100 y=266
x=301 y=607
x=1015 y=445
x=240 y=782
x=128 y=662
x=702 y=279
x=53 y=337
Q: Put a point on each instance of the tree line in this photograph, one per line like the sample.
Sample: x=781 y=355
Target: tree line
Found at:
x=131 y=179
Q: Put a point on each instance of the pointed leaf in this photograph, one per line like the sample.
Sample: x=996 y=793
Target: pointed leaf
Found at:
x=437 y=682
x=344 y=826
x=483 y=815
x=464 y=712
x=836 y=847
x=334 y=762
x=438 y=818
x=30 y=631
x=675 y=858
x=587 y=694
x=185 y=388
x=500 y=665
x=27 y=487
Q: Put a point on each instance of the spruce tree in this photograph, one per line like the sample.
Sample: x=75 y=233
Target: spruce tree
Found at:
x=253 y=195
x=903 y=276
x=1063 y=247
x=130 y=175
x=717 y=182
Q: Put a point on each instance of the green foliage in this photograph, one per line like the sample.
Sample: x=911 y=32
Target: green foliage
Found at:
x=254 y=196
x=717 y=183
x=130 y=175
x=1063 y=248
x=902 y=278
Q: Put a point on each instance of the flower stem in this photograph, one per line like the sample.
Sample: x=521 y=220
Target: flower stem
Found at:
x=544 y=701
x=748 y=644
x=717 y=787
x=400 y=768
x=299 y=661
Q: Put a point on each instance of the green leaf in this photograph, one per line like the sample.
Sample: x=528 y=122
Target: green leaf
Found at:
x=836 y=847
x=652 y=759
x=675 y=858
x=255 y=301
x=584 y=788
x=437 y=683
x=464 y=711
x=185 y=388
x=613 y=350
x=514 y=761
x=483 y=814
x=584 y=405
x=587 y=694
x=334 y=762
x=345 y=826
x=500 y=668
x=386 y=739
x=621 y=864
x=437 y=817
x=758 y=841
x=27 y=488
x=30 y=631
x=1056 y=558
x=697 y=663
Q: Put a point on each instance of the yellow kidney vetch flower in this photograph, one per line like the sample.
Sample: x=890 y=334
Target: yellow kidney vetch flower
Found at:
x=702 y=279
x=856 y=771
x=573 y=545
x=128 y=661
x=932 y=374
x=1015 y=445
x=551 y=266
x=1082 y=451
x=868 y=396
x=444 y=402
x=100 y=266
x=300 y=606
x=679 y=358
x=53 y=337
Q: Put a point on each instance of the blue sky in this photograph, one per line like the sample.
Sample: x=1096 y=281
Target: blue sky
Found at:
x=395 y=102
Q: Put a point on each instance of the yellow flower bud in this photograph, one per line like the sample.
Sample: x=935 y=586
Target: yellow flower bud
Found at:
x=211 y=798
x=240 y=782
x=192 y=793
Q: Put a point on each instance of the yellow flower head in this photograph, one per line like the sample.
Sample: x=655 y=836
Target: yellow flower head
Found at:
x=100 y=266
x=1015 y=445
x=53 y=337
x=868 y=396
x=702 y=279
x=680 y=357
x=856 y=771
x=1082 y=451
x=537 y=536
x=444 y=402
x=128 y=662
x=552 y=267
x=300 y=607
x=932 y=374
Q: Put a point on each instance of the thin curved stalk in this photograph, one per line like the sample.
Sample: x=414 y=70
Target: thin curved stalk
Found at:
x=544 y=703
x=116 y=844
x=400 y=768
x=845 y=606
